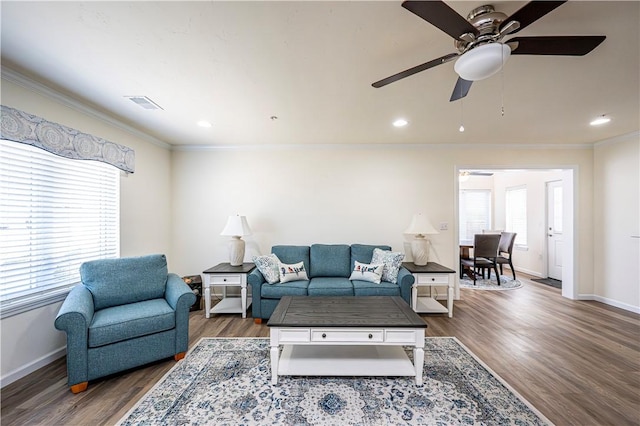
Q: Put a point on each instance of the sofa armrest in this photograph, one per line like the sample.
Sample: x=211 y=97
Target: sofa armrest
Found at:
x=405 y=281
x=256 y=280
x=74 y=318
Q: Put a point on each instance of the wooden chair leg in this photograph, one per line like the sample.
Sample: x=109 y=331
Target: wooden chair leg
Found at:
x=80 y=387
x=179 y=356
x=257 y=320
x=513 y=271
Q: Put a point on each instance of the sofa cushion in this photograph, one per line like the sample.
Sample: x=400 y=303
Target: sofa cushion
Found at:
x=330 y=260
x=277 y=290
x=292 y=272
x=366 y=288
x=292 y=254
x=363 y=253
x=126 y=322
x=330 y=286
x=367 y=272
x=114 y=282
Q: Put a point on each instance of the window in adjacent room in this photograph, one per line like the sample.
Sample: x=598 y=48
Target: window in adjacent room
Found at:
x=516 y=213
x=55 y=214
x=475 y=213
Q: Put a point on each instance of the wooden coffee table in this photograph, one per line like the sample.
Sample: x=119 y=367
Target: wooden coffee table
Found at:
x=345 y=336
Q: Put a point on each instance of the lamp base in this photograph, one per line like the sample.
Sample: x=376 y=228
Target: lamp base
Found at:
x=420 y=251
x=236 y=251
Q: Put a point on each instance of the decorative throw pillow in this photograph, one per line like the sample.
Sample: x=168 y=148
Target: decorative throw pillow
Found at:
x=269 y=266
x=391 y=261
x=293 y=272
x=364 y=272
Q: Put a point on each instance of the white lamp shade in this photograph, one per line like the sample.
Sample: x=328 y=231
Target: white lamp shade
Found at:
x=420 y=225
x=236 y=226
x=483 y=61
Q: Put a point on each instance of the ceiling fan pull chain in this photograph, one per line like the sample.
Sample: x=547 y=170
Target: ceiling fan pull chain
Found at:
x=502 y=87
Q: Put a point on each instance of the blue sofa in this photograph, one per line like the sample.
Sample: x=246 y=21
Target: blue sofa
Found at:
x=126 y=312
x=329 y=268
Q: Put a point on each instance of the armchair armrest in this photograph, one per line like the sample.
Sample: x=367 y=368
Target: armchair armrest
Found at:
x=74 y=318
x=180 y=297
x=405 y=281
x=76 y=311
x=256 y=280
x=178 y=292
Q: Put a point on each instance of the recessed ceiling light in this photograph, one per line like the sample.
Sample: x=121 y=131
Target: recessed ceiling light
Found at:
x=204 y=123
x=400 y=122
x=600 y=120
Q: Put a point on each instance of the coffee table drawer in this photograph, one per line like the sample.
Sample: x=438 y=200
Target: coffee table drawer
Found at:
x=407 y=337
x=291 y=335
x=330 y=335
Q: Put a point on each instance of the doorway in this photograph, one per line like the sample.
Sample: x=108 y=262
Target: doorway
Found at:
x=532 y=256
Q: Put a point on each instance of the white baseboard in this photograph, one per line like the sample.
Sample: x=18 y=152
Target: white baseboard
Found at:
x=32 y=366
x=611 y=302
x=528 y=272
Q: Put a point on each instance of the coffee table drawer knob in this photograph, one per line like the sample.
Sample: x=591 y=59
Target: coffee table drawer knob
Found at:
x=370 y=336
x=324 y=335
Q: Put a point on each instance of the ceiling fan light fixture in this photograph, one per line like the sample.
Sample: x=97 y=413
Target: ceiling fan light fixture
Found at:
x=482 y=62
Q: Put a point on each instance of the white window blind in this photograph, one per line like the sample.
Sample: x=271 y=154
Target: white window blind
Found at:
x=55 y=214
x=516 y=213
x=475 y=213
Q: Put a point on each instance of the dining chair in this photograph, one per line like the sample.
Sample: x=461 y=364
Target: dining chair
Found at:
x=485 y=252
x=505 y=250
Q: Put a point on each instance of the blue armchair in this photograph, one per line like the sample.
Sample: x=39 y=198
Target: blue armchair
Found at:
x=126 y=312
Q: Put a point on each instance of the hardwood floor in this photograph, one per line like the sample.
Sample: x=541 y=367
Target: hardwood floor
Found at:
x=577 y=362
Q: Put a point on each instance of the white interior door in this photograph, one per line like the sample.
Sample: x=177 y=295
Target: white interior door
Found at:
x=554 y=229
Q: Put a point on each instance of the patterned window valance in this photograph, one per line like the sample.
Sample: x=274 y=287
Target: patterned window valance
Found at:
x=19 y=126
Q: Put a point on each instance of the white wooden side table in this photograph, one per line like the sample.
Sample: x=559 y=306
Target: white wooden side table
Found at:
x=431 y=275
x=224 y=275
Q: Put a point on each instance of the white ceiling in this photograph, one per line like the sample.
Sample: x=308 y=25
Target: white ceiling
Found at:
x=311 y=64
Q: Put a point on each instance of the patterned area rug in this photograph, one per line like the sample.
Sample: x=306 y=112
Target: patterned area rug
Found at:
x=227 y=382
x=506 y=283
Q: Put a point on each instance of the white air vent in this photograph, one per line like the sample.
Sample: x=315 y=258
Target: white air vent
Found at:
x=144 y=102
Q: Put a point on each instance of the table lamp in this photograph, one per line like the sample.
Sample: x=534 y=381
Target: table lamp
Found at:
x=419 y=227
x=236 y=228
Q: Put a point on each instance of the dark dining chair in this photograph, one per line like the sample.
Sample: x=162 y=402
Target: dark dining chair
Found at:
x=505 y=250
x=485 y=253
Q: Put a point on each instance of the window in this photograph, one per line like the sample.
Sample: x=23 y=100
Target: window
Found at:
x=55 y=213
x=516 y=213
x=475 y=213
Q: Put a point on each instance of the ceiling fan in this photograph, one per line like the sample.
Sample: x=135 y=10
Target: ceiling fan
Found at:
x=481 y=51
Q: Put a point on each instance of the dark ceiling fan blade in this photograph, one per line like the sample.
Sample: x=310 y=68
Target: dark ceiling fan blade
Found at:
x=556 y=45
x=414 y=70
x=531 y=12
x=461 y=89
x=441 y=16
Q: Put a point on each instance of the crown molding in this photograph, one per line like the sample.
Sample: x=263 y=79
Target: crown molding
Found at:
x=386 y=146
x=621 y=138
x=37 y=87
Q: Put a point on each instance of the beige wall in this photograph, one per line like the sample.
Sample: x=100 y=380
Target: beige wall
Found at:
x=345 y=195
x=617 y=223
x=29 y=340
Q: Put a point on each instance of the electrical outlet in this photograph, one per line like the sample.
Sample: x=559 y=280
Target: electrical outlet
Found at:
x=444 y=226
